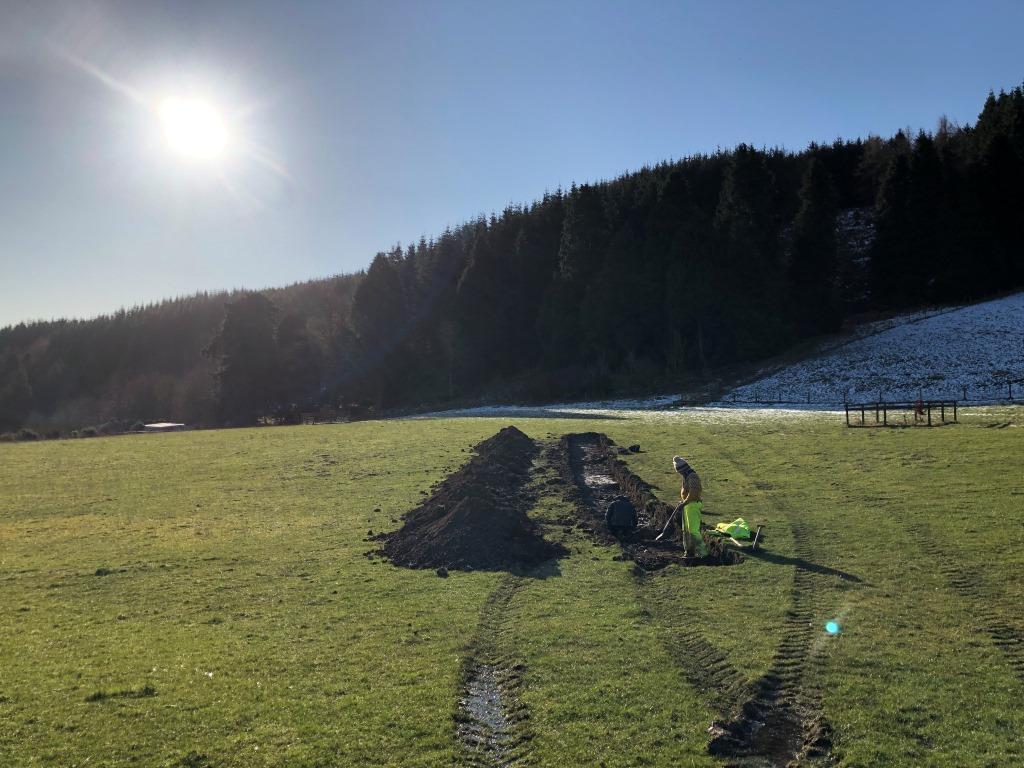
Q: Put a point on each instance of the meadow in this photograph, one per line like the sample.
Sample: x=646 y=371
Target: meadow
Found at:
x=205 y=598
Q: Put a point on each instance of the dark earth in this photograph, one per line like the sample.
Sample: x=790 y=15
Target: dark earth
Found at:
x=589 y=463
x=476 y=519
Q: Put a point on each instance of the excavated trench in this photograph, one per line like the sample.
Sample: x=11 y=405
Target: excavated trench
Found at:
x=476 y=519
x=589 y=463
x=773 y=722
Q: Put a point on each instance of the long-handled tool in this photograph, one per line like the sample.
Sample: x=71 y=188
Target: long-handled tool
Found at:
x=668 y=523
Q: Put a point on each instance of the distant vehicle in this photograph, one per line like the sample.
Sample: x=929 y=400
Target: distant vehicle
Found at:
x=164 y=426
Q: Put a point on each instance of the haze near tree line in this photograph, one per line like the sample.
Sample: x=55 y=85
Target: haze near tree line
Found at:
x=392 y=121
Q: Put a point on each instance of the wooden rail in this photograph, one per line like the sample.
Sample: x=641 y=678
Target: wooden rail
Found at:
x=922 y=410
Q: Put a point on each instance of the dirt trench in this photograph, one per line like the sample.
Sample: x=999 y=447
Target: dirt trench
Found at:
x=589 y=464
x=596 y=476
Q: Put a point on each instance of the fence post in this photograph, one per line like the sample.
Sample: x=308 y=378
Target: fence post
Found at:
x=954 y=411
x=885 y=414
x=862 y=415
x=929 y=413
x=847 y=407
x=1009 y=386
x=942 y=405
x=965 y=392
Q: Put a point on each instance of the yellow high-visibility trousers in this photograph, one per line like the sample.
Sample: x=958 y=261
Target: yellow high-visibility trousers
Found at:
x=692 y=539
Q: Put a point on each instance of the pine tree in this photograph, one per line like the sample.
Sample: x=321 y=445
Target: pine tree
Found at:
x=246 y=355
x=892 y=257
x=584 y=236
x=15 y=392
x=380 y=322
x=812 y=264
x=748 y=264
x=299 y=362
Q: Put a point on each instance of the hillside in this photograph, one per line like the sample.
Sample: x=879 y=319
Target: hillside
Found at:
x=653 y=280
x=977 y=350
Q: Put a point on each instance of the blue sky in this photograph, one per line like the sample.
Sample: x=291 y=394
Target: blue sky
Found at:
x=356 y=125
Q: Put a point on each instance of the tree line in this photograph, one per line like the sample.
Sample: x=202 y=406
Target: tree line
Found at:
x=661 y=275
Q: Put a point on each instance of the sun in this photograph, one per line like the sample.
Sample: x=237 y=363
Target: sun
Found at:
x=194 y=128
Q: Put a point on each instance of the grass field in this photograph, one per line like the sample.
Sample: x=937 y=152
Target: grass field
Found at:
x=203 y=599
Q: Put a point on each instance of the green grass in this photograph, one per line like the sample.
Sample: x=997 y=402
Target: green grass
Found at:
x=203 y=599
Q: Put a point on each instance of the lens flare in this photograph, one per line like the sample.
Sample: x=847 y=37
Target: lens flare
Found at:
x=194 y=128
x=832 y=627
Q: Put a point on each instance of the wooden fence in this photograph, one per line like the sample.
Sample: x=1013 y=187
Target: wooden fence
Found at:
x=923 y=411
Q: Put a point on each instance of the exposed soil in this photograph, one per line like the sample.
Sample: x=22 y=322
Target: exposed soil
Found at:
x=491 y=723
x=476 y=519
x=589 y=462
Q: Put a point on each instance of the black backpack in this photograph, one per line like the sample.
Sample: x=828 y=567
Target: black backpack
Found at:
x=621 y=514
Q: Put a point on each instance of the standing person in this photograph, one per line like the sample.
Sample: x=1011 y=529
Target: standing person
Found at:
x=689 y=509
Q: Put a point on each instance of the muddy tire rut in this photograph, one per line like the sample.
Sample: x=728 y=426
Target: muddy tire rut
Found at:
x=491 y=723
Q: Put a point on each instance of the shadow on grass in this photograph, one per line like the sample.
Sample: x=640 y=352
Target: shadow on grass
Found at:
x=799 y=562
x=545 y=570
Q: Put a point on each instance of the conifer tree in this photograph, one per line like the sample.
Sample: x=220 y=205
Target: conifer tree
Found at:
x=748 y=264
x=892 y=259
x=245 y=350
x=380 y=322
x=812 y=265
x=299 y=362
x=15 y=392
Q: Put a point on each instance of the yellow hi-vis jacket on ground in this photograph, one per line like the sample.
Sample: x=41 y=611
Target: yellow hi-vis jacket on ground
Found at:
x=738 y=528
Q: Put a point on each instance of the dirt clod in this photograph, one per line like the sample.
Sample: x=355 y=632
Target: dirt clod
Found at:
x=476 y=517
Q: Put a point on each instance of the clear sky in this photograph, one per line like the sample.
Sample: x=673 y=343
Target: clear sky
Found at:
x=355 y=125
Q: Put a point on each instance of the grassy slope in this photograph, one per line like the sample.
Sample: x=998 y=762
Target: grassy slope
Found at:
x=240 y=595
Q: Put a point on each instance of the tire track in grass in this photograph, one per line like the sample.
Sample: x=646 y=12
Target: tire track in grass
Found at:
x=713 y=676
x=781 y=722
x=964 y=581
x=490 y=720
x=707 y=669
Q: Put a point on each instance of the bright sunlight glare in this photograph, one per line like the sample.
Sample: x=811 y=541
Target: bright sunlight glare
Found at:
x=194 y=128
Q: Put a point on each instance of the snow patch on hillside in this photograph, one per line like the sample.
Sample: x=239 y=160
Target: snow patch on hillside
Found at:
x=933 y=354
x=659 y=409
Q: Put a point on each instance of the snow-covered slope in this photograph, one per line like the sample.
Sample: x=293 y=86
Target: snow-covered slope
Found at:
x=938 y=354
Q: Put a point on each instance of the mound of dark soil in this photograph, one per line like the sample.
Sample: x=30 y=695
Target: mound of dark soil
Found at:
x=476 y=517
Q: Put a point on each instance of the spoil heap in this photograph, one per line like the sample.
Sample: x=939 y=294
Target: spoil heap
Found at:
x=476 y=518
